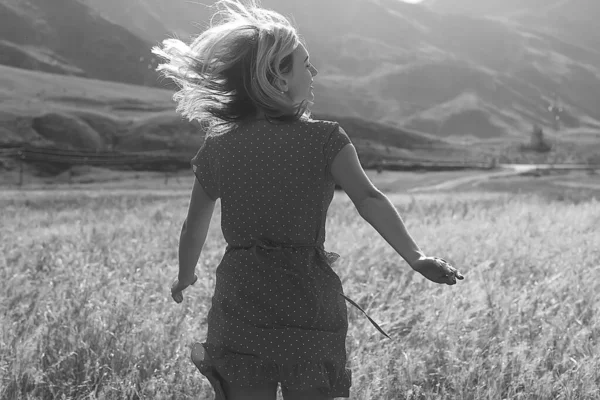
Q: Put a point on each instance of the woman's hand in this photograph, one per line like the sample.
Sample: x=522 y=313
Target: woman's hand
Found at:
x=437 y=270
x=178 y=287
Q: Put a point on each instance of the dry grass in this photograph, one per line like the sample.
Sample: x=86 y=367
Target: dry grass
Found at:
x=86 y=312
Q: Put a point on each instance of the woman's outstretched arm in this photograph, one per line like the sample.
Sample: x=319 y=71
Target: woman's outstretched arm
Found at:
x=372 y=204
x=193 y=235
x=378 y=210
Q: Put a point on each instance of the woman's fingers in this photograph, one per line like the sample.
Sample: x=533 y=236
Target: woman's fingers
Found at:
x=437 y=270
x=178 y=297
x=451 y=273
x=177 y=289
x=177 y=292
x=454 y=272
x=450 y=278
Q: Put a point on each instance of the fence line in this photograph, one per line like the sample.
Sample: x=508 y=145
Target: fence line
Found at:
x=104 y=158
x=169 y=161
x=108 y=158
x=120 y=158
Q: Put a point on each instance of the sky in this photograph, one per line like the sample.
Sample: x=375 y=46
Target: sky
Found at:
x=412 y=1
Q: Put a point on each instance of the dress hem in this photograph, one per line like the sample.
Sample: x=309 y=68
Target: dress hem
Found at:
x=218 y=364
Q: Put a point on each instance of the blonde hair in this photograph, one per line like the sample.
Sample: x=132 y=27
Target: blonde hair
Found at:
x=229 y=73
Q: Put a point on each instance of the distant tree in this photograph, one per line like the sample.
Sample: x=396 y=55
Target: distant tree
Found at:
x=538 y=142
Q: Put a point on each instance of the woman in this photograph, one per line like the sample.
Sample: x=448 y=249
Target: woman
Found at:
x=278 y=313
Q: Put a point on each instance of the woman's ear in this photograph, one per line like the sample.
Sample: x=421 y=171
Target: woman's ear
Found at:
x=282 y=85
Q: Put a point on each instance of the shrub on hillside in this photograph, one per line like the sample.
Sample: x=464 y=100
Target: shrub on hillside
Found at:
x=107 y=127
x=68 y=131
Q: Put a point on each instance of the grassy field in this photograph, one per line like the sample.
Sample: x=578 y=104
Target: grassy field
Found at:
x=86 y=311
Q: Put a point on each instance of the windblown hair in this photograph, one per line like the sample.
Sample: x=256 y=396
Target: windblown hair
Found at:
x=229 y=72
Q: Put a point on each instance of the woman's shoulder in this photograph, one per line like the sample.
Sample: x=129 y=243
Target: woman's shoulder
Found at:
x=317 y=128
x=319 y=124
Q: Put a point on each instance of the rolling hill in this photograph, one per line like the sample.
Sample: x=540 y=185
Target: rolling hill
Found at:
x=66 y=112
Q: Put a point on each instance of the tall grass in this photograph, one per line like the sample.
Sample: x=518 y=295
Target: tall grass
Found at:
x=86 y=311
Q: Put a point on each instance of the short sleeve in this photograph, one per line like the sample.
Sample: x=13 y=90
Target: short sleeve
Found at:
x=204 y=169
x=336 y=140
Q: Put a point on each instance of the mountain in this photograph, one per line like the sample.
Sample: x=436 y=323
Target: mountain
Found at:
x=67 y=112
x=478 y=69
x=400 y=64
x=66 y=36
x=153 y=20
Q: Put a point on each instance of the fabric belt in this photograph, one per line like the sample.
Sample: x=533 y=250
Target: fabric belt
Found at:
x=328 y=257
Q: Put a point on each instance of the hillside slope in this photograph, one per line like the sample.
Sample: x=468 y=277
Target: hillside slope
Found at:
x=42 y=109
x=66 y=36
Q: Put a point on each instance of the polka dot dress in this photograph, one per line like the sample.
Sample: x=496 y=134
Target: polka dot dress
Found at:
x=276 y=315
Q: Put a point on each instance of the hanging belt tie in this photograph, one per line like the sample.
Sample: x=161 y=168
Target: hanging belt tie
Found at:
x=328 y=257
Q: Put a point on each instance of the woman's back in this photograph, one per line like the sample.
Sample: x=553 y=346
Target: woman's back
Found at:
x=274 y=180
x=278 y=313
